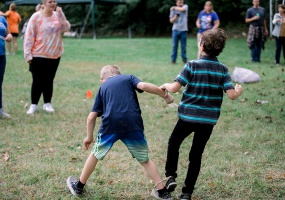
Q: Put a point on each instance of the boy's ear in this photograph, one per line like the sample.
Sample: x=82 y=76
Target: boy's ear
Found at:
x=201 y=47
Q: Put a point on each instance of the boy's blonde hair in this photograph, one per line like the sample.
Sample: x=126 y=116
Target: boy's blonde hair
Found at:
x=109 y=70
x=214 y=41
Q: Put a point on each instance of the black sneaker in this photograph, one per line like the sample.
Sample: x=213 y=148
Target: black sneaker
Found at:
x=71 y=184
x=165 y=195
x=184 y=196
x=170 y=184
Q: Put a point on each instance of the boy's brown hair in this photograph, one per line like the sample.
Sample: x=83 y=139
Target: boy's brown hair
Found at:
x=213 y=41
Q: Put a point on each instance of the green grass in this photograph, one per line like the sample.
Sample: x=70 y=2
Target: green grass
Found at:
x=244 y=158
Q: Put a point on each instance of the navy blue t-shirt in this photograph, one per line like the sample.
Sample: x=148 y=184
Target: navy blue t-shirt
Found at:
x=117 y=104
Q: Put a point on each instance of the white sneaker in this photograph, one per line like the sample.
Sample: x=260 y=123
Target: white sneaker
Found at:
x=47 y=107
x=3 y=114
x=33 y=108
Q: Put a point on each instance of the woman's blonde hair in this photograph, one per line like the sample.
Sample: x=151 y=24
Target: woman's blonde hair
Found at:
x=12 y=7
x=209 y=3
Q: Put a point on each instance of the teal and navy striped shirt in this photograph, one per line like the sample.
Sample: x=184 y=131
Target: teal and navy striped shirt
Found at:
x=204 y=80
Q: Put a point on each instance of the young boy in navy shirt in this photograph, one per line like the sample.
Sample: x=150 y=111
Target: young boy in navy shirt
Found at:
x=117 y=105
x=204 y=80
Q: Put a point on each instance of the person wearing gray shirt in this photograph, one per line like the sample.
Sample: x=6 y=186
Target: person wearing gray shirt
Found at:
x=178 y=17
x=257 y=33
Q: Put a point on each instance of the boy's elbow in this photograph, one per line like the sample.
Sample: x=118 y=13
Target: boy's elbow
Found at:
x=92 y=116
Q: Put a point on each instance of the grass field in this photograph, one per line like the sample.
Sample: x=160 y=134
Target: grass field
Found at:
x=244 y=158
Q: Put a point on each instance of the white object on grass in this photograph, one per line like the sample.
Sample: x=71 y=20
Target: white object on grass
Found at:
x=242 y=75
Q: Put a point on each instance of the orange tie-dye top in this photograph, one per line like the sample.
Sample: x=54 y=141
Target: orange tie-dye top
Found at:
x=43 y=37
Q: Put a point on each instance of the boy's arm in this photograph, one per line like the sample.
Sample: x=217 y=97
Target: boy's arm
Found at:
x=234 y=93
x=153 y=89
x=91 y=121
x=171 y=87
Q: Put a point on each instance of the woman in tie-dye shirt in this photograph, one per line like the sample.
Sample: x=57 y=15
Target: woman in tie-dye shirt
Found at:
x=43 y=48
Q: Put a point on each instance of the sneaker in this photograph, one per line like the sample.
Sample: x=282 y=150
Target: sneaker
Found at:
x=165 y=195
x=33 y=108
x=3 y=114
x=47 y=107
x=71 y=184
x=170 y=184
x=184 y=196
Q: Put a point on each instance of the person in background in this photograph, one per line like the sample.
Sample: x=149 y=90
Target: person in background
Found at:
x=207 y=19
x=13 y=19
x=4 y=36
x=37 y=8
x=279 y=32
x=179 y=18
x=43 y=48
x=258 y=31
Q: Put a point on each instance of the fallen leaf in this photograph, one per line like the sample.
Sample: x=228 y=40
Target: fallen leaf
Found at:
x=26 y=105
x=51 y=150
x=6 y=156
x=72 y=159
x=110 y=182
x=211 y=184
x=245 y=153
x=89 y=94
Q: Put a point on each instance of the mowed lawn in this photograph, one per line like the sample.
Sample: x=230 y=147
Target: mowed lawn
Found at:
x=244 y=158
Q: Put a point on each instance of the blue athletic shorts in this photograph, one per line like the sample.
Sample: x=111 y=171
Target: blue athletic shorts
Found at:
x=135 y=142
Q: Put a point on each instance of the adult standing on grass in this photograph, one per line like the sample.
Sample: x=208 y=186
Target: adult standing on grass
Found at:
x=279 y=32
x=258 y=31
x=43 y=48
x=4 y=36
x=207 y=19
x=13 y=19
x=179 y=18
x=117 y=104
x=204 y=80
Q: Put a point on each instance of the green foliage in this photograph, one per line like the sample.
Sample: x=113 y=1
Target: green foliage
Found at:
x=148 y=17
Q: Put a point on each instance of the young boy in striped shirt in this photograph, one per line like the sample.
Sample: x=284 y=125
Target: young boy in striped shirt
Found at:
x=204 y=80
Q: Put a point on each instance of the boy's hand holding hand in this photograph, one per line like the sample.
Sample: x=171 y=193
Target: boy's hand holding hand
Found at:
x=86 y=142
x=168 y=97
